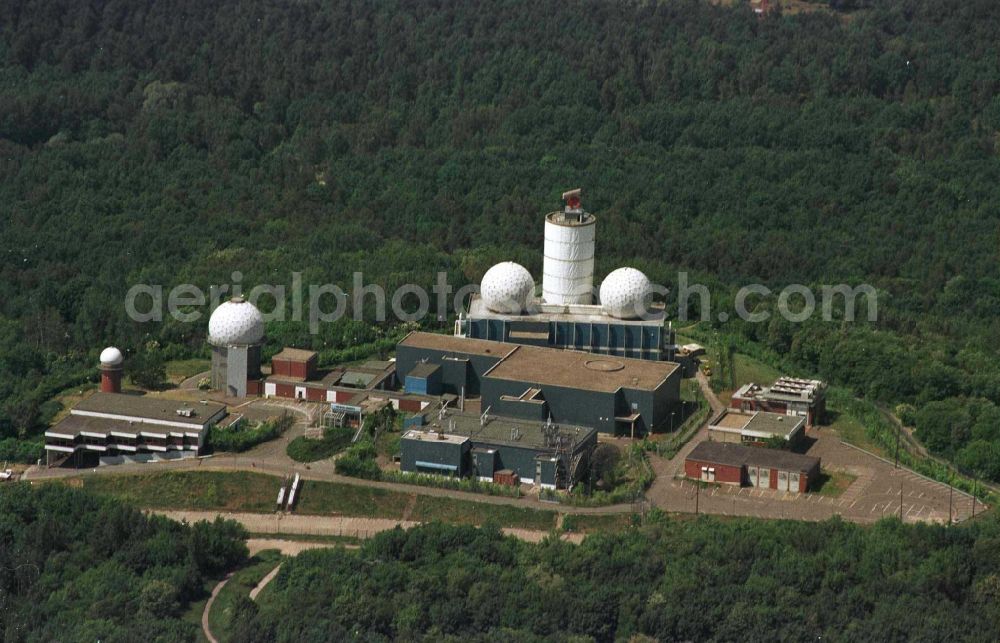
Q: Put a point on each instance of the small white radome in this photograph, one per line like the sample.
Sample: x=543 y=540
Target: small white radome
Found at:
x=111 y=356
x=623 y=293
x=234 y=323
x=506 y=288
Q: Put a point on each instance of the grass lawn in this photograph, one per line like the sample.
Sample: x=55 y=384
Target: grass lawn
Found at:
x=240 y=584
x=465 y=512
x=196 y=490
x=70 y=397
x=833 y=483
x=749 y=370
x=350 y=500
x=179 y=370
x=850 y=428
x=256 y=493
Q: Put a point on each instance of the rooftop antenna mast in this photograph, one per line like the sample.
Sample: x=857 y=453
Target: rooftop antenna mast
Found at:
x=574 y=207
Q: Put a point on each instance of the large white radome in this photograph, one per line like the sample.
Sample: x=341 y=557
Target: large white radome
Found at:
x=111 y=356
x=623 y=293
x=236 y=322
x=506 y=288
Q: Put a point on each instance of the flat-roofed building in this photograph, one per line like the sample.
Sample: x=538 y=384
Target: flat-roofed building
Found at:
x=788 y=396
x=539 y=453
x=757 y=427
x=612 y=394
x=116 y=425
x=294 y=364
x=737 y=464
x=294 y=375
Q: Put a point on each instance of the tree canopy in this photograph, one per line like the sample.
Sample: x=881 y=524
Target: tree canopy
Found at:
x=182 y=141
x=77 y=567
x=702 y=580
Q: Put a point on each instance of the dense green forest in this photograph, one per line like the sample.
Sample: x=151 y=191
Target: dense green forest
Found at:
x=78 y=567
x=702 y=580
x=181 y=140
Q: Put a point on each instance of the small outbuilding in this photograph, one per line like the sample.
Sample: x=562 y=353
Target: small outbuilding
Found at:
x=757 y=427
x=741 y=465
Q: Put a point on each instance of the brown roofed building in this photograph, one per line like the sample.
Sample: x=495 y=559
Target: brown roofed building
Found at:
x=612 y=394
x=737 y=464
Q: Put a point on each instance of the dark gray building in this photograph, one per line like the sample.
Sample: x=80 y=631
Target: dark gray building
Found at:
x=612 y=394
x=544 y=454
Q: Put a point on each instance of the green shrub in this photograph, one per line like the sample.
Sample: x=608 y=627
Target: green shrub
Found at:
x=22 y=451
x=238 y=439
x=334 y=440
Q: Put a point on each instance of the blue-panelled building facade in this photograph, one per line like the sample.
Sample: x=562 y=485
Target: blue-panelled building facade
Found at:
x=583 y=328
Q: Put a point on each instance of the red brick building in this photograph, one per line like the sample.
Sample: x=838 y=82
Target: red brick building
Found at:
x=752 y=466
x=294 y=363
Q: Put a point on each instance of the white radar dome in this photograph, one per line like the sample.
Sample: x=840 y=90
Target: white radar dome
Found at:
x=623 y=293
x=236 y=322
x=111 y=356
x=506 y=288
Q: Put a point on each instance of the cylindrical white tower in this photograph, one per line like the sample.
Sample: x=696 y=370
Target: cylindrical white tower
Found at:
x=568 y=267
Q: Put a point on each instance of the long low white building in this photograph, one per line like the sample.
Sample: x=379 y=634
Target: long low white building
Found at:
x=116 y=424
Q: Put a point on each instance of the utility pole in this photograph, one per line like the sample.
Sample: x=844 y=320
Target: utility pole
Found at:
x=975 y=485
x=899 y=431
x=951 y=493
x=697 y=496
x=900 y=500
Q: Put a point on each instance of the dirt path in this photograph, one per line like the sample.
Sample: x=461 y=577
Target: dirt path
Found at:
x=208 y=607
x=287 y=547
x=410 y=506
x=191 y=383
x=263 y=582
x=343 y=526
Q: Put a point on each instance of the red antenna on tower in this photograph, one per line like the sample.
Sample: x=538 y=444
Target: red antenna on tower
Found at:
x=572 y=199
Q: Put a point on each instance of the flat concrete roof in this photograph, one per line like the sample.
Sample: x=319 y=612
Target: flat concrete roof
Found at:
x=452 y=344
x=500 y=430
x=761 y=423
x=73 y=425
x=295 y=355
x=577 y=369
x=738 y=455
x=148 y=407
x=543 y=312
x=434 y=436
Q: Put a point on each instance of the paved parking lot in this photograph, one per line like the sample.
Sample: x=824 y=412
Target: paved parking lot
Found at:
x=874 y=494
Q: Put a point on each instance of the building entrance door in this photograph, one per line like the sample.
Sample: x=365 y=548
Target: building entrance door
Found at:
x=782 y=481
